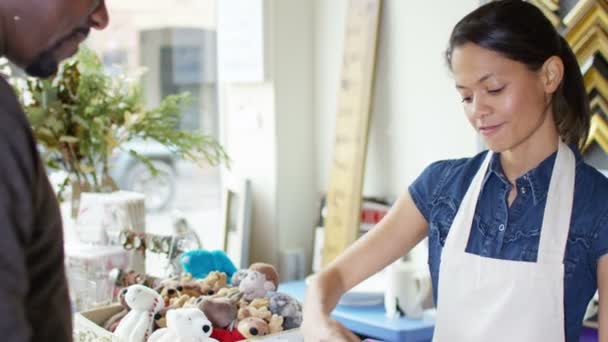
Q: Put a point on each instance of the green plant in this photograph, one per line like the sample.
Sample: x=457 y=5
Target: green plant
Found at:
x=82 y=115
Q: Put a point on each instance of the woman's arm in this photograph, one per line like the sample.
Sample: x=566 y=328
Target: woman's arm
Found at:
x=397 y=233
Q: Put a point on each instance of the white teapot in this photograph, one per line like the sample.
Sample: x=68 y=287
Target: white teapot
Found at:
x=408 y=287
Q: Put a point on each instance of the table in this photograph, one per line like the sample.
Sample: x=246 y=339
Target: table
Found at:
x=370 y=321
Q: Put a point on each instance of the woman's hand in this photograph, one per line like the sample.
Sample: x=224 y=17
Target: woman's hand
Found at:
x=371 y=253
x=322 y=293
x=323 y=328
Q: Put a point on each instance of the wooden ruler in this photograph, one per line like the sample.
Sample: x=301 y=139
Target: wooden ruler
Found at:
x=352 y=126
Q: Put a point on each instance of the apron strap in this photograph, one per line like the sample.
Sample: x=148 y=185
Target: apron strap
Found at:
x=558 y=209
x=458 y=235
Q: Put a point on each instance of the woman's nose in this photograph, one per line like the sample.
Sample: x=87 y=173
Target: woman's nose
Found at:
x=479 y=107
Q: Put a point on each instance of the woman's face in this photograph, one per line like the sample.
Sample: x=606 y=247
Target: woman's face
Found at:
x=504 y=100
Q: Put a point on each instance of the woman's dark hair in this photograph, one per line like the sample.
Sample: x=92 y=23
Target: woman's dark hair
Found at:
x=519 y=31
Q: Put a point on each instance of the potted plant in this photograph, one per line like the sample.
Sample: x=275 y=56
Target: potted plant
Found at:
x=82 y=116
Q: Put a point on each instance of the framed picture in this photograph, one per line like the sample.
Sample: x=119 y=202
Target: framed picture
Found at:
x=236 y=216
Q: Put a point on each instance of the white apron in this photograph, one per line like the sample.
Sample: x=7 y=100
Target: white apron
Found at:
x=486 y=299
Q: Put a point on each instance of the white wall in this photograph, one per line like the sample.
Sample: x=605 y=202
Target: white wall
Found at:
x=274 y=145
x=249 y=135
x=416 y=116
x=293 y=76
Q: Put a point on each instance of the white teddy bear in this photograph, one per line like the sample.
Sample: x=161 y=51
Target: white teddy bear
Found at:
x=185 y=325
x=137 y=324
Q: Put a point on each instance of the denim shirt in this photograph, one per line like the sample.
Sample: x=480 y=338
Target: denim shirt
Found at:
x=513 y=233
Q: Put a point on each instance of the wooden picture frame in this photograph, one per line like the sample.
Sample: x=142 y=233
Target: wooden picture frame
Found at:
x=236 y=219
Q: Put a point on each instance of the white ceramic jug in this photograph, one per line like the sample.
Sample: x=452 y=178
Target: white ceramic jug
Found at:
x=408 y=286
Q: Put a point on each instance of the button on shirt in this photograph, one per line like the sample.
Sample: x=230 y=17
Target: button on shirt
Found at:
x=513 y=233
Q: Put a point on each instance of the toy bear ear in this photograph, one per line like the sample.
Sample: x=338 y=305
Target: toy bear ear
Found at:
x=172 y=316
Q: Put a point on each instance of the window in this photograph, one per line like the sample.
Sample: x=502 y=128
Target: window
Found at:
x=173 y=42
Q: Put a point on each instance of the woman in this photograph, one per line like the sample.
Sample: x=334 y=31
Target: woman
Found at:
x=517 y=234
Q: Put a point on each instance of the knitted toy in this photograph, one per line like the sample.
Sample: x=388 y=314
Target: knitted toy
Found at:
x=185 y=325
x=200 y=262
x=136 y=326
x=287 y=307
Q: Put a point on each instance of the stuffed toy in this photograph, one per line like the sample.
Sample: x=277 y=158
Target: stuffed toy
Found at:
x=221 y=308
x=256 y=308
x=226 y=335
x=214 y=282
x=259 y=303
x=144 y=302
x=221 y=311
x=168 y=288
x=250 y=311
x=185 y=325
x=172 y=281
x=113 y=321
x=189 y=286
x=256 y=281
x=267 y=270
x=252 y=327
x=168 y=293
x=255 y=285
x=251 y=314
x=276 y=324
x=287 y=307
x=228 y=292
x=183 y=284
x=237 y=277
x=201 y=262
x=160 y=318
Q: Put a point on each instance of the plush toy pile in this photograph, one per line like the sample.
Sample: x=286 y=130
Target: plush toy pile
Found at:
x=214 y=308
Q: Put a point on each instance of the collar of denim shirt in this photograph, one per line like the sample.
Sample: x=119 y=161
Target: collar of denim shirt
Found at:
x=537 y=178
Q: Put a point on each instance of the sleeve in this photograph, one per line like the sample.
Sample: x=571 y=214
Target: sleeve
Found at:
x=16 y=200
x=425 y=188
x=599 y=246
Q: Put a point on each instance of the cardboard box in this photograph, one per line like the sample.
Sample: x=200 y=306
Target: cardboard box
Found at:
x=87 y=324
x=87 y=327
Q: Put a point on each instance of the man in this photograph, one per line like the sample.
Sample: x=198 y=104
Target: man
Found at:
x=34 y=304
